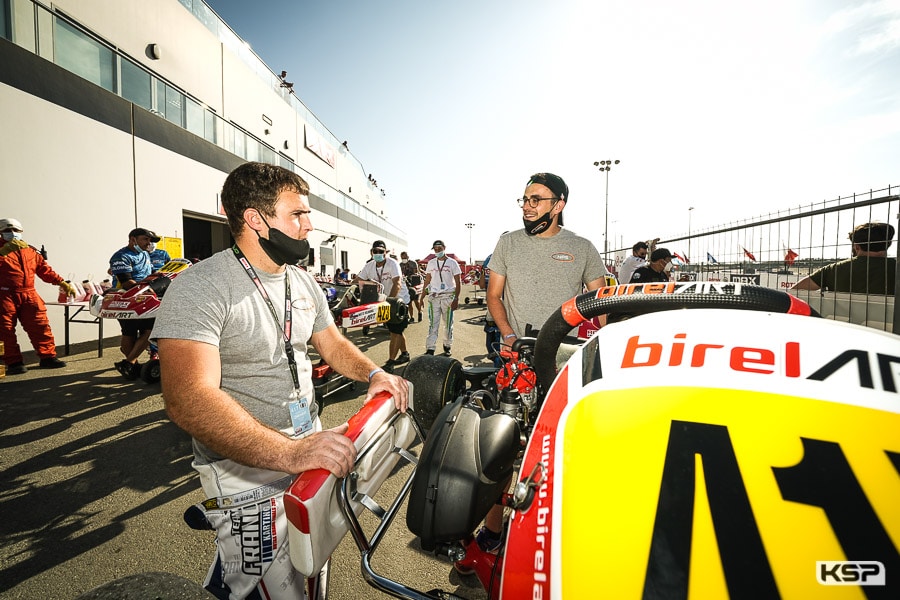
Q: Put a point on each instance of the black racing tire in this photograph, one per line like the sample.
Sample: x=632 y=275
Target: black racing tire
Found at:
x=632 y=299
x=150 y=371
x=437 y=381
x=467 y=300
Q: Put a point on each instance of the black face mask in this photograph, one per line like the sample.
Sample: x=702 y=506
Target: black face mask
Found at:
x=538 y=225
x=281 y=248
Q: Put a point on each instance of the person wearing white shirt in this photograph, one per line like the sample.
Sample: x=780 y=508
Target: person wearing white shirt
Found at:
x=442 y=280
x=637 y=260
x=385 y=270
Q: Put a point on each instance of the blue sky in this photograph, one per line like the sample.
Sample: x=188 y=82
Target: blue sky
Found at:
x=735 y=109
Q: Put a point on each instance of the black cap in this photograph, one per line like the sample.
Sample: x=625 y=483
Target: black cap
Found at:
x=141 y=231
x=438 y=243
x=555 y=184
x=660 y=253
x=378 y=245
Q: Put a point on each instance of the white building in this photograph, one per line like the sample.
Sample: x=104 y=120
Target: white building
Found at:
x=118 y=114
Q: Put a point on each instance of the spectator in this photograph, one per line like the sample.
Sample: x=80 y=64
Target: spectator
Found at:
x=533 y=272
x=869 y=271
x=442 y=280
x=412 y=279
x=637 y=259
x=234 y=334
x=656 y=269
x=129 y=265
x=385 y=271
x=19 y=300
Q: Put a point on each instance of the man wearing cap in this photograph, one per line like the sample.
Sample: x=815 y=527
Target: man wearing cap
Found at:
x=128 y=266
x=869 y=271
x=534 y=270
x=20 y=302
x=442 y=280
x=656 y=269
x=384 y=270
x=637 y=259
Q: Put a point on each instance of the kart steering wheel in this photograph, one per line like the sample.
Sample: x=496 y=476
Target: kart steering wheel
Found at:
x=652 y=297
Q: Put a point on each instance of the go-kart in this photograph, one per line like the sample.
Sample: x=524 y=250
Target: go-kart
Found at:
x=140 y=302
x=739 y=448
x=373 y=308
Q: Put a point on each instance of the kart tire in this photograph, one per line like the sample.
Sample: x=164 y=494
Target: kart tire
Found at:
x=437 y=381
x=150 y=371
x=467 y=300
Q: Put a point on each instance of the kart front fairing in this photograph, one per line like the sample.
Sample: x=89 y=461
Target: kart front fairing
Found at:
x=712 y=452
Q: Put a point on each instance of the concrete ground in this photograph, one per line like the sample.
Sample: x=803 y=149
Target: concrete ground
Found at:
x=95 y=480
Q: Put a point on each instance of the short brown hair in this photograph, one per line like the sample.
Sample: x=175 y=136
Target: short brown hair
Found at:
x=257 y=185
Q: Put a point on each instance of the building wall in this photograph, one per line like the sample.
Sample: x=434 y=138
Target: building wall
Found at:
x=82 y=166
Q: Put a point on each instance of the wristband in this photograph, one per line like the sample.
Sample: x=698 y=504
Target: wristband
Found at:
x=375 y=372
x=506 y=337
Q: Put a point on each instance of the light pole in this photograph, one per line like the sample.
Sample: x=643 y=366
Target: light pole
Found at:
x=605 y=166
x=470 y=226
x=690 y=210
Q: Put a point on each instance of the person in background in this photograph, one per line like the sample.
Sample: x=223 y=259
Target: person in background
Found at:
x=637 y=259
x=19 y=300
x=128 y=266
x=442 y=280
x=869 y=271
x=656 y=270
x=385 y=270
x=158 y=257
x=412 y=278
x=234 y=335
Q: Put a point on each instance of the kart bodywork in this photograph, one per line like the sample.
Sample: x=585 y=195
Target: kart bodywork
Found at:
x=742 y=448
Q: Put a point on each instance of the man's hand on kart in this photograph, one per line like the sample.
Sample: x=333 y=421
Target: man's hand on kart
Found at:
x=328 y=449
x=396 y=386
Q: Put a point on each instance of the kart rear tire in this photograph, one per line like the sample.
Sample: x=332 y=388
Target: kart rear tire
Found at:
x=150 y=371
x=437 y=381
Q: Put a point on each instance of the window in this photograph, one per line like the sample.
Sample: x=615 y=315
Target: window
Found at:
x=194 y=117
x=174 y=107
x=136 y=85
x=84 y=56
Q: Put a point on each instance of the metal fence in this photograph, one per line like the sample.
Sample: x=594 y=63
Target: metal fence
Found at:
x=777 y=250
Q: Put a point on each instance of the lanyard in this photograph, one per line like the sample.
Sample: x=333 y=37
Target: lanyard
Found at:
x=286 y=330
x=440 y=268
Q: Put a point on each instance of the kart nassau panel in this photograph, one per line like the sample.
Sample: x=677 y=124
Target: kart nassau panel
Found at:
x=708 y=453
x=315 y=522
x=465 y=466
x=367 y=314
x=140 y=301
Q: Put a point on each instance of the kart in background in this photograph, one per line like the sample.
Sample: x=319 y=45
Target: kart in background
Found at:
x=738 y=448
x=372 y=308
x=140 y=302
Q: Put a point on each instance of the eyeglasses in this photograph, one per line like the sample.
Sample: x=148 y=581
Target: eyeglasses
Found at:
x=533 y=201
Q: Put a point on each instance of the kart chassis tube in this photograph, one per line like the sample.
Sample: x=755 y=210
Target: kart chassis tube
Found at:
x=366 y=546
x=646 y=298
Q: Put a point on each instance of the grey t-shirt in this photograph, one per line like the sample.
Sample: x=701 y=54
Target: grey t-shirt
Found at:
x=542 y=273
x=215 y=302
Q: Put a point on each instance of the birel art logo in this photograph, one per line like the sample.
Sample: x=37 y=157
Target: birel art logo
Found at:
x=850 y=572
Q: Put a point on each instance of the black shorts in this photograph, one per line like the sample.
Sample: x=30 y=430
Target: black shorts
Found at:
x=135 y=327
x=413 y=296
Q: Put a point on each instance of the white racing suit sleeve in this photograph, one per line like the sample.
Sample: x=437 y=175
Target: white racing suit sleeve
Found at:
x=245 y=507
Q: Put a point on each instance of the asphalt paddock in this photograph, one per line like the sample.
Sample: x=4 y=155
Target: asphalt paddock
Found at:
x=95 y=480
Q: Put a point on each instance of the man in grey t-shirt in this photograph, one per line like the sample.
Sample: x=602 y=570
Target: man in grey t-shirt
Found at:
x=233 y=333
x=533 y=272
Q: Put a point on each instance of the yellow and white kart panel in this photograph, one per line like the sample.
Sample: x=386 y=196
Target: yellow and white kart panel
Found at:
x=709 y=453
